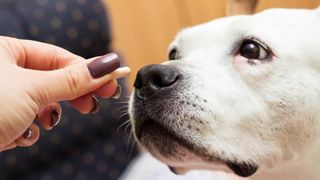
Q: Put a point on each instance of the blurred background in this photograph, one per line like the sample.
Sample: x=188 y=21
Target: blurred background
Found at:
x=98 y=147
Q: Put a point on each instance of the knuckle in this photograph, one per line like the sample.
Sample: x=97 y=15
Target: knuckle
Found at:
x=73 y=79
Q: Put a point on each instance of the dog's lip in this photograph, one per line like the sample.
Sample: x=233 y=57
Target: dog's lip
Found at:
x=151 y=122
x=241 y=169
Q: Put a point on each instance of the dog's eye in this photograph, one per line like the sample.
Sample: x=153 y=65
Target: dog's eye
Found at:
x=174 y=54
x=253 y=50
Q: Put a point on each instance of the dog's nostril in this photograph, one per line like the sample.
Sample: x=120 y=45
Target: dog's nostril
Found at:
x=152 y=78
x=159 y=79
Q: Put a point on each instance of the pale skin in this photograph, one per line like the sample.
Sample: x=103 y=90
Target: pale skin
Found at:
x=34 y=77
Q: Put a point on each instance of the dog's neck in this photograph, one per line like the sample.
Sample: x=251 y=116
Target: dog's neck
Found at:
x=306 y=168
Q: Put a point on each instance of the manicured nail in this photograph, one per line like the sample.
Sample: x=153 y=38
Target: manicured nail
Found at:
x=27 y=134
x=96 y=106
x=55 y=118
x=104 y=65
x=117 y=94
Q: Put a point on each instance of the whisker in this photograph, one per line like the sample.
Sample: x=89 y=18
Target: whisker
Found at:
x=122 y=102
x=131 y=149
x=125 y=123
x=122 y=115
x=126 y=105
x=125 y=129
x=124 y=111
x=130 y=137
x=123 y=107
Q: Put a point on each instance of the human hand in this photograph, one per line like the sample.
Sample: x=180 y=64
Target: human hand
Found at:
x=35 y=76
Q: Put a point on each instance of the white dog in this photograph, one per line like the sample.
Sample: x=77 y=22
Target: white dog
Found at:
x=240 y=94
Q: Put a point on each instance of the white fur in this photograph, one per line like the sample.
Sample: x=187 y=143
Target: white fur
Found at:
x=266 y=114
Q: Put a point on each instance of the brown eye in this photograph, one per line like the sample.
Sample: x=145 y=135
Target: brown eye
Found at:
x=253 y=50
x=174 y=54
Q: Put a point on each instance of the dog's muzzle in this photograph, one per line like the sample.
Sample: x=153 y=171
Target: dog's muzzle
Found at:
x=153 y=82
x=156 y=88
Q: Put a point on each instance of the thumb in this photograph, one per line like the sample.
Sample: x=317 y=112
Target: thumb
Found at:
x=79 y=79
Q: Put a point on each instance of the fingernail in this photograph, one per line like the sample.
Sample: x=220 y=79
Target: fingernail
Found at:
x=104 y=65
x=117 y=94
x=27 y=134
x=96 y=106
x=55 y=118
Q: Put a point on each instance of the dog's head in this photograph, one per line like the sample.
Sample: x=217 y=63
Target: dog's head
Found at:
x=238 y=93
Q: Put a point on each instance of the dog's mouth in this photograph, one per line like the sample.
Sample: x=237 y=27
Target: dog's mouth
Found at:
x=154 y=136
x=243 y=170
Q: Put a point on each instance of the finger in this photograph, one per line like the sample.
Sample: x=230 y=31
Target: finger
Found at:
x=9 y=146
x=49 y=116
x=77 y=80
x=107 y=90
x=37 y=55
x=90 y=104
x=86 y=104
x=29 y=137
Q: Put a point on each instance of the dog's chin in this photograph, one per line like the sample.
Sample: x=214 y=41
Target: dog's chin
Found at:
x=175 y=151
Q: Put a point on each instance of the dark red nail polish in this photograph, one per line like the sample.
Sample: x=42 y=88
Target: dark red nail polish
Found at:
x=117 y=94
x=55 y=118
x=27 y=134
x=96 y=106
x=104 y=65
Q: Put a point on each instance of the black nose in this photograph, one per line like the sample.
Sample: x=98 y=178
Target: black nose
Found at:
x=154 y=78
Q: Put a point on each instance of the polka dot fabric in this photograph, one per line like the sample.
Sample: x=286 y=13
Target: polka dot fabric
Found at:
x=81 y=147
x=80 y=26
